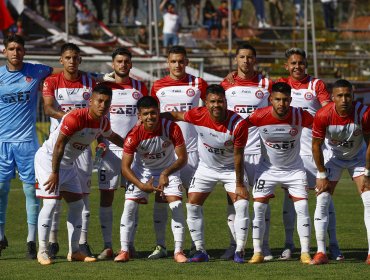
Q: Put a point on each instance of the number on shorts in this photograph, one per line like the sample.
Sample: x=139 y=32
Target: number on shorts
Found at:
x=192 y=182
x=259 y=184
x=102 y=175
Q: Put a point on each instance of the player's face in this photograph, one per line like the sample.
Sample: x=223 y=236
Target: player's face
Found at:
x=14 y=53
x=343 y=98
x=296 y=66
x=245 y=60
x=280 y=103
x=122 y=65
x=176 y=64
x=216 y=105
x=99 y=105
x=149 y=117
x=70 y=60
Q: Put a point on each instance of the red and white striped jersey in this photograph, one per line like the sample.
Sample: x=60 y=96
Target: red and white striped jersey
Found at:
x=123 y=111
x=81 y=129
x=216 y=141
x=68 y=95
x=281 y=138
x=154 y=151
x=181 y=95
x=245 y=96
x=308 y=93
x=344 y=134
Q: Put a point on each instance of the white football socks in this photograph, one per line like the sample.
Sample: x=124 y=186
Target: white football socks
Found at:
x=321 y=221
x=127 y=223
x=85 y=219
x=160 y=216
x=230 y=223
x=106 y=224
x=178 y=224
x=258 y=225
x=303 y=224
x=332 y=226
x=195 y=224
x=266 y=235
x=289 y=216
x=44 y=222
x=241 y=223
x=366 y=201
x=133 y=232
x=53 y=238
x=74 y=224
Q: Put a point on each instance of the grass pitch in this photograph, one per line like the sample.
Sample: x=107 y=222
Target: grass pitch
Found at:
x=350 y=229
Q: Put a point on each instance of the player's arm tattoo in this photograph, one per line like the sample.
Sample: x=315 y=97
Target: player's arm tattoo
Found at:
x=239 y=164
x=58 y=152
x=50 y=110
x=318 y=154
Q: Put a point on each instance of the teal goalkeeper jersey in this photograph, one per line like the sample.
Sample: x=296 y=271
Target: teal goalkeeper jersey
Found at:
x=18 y=101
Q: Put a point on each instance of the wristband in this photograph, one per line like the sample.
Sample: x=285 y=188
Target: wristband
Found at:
x=367 y=173
x=321 y=175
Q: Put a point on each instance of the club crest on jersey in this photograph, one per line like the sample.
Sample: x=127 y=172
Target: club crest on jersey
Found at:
x=86 y=95
x=190 y=92
x=308 y=96
x=293 y=131
x=28 y=79
x=165 y=144
x=259 y=94
x=228 y=143
x=136 y=95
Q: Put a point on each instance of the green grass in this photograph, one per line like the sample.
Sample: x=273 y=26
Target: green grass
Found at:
x=350 y=225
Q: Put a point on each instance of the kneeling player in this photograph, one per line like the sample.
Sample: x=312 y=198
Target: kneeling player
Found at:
x=156 y=143
x=280 y=128
x=56 y=170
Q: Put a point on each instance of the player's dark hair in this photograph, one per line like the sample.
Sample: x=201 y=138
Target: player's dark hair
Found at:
x=342 y=83
x=177 y=50
x=102 y=88
x=245 y=46
x=13 y=38
x=282 y=88
x=298 y=51
x=121 y=51
x=69 y=47
x=147 y=102
x=215 y=89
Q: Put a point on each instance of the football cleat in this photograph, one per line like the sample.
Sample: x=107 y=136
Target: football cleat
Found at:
x=319 y=258
x=53 y=250
x=199 y=256
x=43 y=258
x=31 y=250
x=287 y=252
x=106 y=254
x=85 y=249
x=192 y=251
x=122 y=256
x=229 y=253
x=267 y=253
x=368 y=260
x=79 y=257
x=239 y=257
x=180 y=257
x=256 y=258
x=305 y=258
x=159 y=252
x=335 y=252
x=3 y=244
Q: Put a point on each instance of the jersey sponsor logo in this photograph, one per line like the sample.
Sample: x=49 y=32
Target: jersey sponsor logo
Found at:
x=190 y=92
x=216 y=151
x=308 y=96
x=86 y=95
x=259 y=94
x=166 y=144
x=18 y=97
x=70 y=107
x=28 y=79
x=245 y=109
x=178 y=107
x=136 y=95
x=128 y=110
x=296 y=92
x=345 y=143
x=228 y=143
x=80 y=146
x=155 y=156
x=293 y=131
x=284 y=145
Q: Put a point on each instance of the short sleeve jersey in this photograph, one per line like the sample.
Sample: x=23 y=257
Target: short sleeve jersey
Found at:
x=344 y=134
x=217 y=140
x=82 y=130
x=171 y=23
x=308 y=93
x=245 y=96
x=68 y=95
x=154 y=151
x=181 y=95
x=18 y=101
x=281 y=138
x=123 y=111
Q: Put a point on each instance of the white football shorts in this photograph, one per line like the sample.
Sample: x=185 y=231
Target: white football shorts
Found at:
x=188 y=171
x=110 y=175
x=84 y=170
x=250 y=165
x=311 y=170
x=334 y=167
